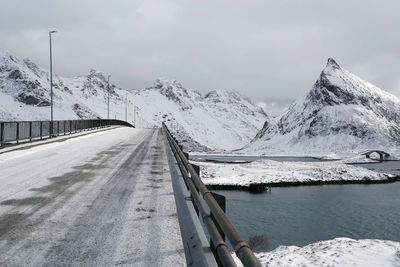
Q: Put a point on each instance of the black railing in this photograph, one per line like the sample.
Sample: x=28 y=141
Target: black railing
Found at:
x=212 y=216
x=14 y=132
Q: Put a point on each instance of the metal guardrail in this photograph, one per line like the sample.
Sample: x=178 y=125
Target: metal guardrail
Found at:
x=12 y=132
x=211 y=214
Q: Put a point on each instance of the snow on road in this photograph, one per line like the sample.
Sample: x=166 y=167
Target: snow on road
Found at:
x=96 y=200
x=270 y=171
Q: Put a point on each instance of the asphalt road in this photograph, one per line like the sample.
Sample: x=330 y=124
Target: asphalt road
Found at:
x=99 y=200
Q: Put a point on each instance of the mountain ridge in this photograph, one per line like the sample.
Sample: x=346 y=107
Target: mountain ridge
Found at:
x=226 y=121
x=341 y=112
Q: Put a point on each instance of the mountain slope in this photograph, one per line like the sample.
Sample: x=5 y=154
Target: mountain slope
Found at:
x=219 y=120
x=25 y=93
x=341 y=114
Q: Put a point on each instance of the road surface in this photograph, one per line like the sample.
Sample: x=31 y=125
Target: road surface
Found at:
x=96 y=200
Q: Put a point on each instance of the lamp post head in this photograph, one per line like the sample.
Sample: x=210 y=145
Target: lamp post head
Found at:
x=52 y=32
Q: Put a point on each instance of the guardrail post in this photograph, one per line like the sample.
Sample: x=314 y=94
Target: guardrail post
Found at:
x=30 y=131
x=186 y=155
x=196 y=169
x=64 y=129
x=222 y=203
x=41 y=130
x=17 y=133
x=70 y=127
x=2 y=134
x=58 y=128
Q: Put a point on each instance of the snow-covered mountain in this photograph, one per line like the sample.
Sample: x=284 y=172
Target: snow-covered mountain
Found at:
x=24 y=93
x=218 y=120
x=341 y=114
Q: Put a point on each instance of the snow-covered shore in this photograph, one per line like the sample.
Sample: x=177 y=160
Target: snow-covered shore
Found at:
x=336 y=252
x=273 y=172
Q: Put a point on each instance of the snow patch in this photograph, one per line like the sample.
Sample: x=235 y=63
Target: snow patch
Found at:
x=271 y=172
x=336 y=252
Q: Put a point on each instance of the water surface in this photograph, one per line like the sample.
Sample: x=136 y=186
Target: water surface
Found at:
x=227 y=159
x=303 y=215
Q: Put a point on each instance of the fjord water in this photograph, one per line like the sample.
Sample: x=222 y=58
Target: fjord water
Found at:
x=306 y=214
x=301 y=215
x=233 y=159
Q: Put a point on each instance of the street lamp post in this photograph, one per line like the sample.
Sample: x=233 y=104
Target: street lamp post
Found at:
x=126 y=107
x=51 y=85
x=108 y=102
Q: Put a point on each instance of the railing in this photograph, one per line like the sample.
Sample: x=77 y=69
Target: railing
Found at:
x=14 y=132
x=213 y=217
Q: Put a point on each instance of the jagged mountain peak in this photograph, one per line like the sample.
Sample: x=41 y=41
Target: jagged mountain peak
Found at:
x=331 y=63
x=96 y=83
x=167 y=83
x=172 y=87
x=340 y=112
x=168 y=86
x=7 y=55
x=337 y=86
x=97 y=74
x=223 y=94
x=174 y=91
x=227 y=97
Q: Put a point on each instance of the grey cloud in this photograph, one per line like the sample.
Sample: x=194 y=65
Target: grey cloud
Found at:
x=267 y=50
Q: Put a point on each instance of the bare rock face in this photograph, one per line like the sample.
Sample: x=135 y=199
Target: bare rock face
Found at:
x=21 y=79
x=340 y=112
x=84 y=112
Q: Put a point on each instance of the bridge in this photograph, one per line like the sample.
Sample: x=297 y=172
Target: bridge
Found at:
x=382 y=154
x=99 y=194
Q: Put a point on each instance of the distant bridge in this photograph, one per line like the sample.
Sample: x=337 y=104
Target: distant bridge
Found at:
x=382 y=154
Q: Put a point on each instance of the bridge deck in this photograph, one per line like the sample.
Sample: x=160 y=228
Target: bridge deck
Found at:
x=100 y=199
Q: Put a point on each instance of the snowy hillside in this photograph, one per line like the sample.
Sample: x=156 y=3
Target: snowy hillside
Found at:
x=219 y=120
x=341 y=114
x=24 y=93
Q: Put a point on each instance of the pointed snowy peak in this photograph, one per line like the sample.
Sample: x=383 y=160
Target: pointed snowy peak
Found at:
x=227 y=97
x=167 y=83
x=332 y=64
x=340 y=111
x=6 y=55
x=341 y=86
x=174 y=91
x=96 y=83
x=224 y=94
x=95 y=74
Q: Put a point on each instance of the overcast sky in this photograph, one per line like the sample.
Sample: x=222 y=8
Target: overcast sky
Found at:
x=271 y=51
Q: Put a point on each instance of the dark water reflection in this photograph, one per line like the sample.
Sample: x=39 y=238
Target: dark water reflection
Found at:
x=305 y=214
